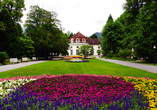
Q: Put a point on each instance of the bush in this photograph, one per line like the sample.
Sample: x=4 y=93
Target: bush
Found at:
x=135 y=58
x=3 y=56
x=115 y=55
x=41 y=58
x=110 y=54
x=125 y=53
x=6 y=62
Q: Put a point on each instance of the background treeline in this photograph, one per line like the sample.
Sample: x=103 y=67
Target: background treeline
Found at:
x=135 y=30
x=43 y=33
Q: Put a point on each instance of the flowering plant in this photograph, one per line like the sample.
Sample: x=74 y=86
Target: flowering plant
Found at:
x=10 y=85
x=82 y=92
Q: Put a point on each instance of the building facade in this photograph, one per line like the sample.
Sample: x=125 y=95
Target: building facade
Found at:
x=78 y=40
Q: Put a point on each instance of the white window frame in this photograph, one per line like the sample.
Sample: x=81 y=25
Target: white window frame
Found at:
x=83 y=40
x=72 y=40
x=77 y=40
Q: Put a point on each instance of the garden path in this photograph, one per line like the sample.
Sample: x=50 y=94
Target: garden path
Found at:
x=19 y=65
x=149 y=68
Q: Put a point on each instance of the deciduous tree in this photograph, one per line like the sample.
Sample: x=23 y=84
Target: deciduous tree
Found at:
x=43 y=28
x=86 y=50
x=10 y=29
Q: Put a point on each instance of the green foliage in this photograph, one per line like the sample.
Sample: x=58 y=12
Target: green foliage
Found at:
x=10 y=29
x=86 y=50
x=125 y=53
x=43 y=28
x=109 y=18
x=111 y=34
x=109 y=54
x=69 y=34
x=140 y=27
x=93 y=36
x=99 y=52
x=6 y=62
x=26 y=46
x=3 y=56
x=115 y=55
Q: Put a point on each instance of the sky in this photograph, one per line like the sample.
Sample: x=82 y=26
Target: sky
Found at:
x=85 y=16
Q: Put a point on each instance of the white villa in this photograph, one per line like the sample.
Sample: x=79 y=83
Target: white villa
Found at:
x=78 y=40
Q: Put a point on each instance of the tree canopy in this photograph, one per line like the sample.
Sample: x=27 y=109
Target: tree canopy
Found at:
x=135 y=29
x=10 y=29
x=69 y=34
x=93 y=36
x=111 y=34
x=43 y=28
x=86 y=50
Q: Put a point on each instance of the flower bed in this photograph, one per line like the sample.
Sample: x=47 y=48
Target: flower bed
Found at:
x=76 y=58
x=95 y=92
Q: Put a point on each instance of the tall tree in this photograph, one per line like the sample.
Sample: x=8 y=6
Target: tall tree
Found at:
x=43 y=28
x=10 y=32
x=93 y=36
x=111 y=34
x=145 y=36
x=132 y=8
x=69 y=34
x=109 y=18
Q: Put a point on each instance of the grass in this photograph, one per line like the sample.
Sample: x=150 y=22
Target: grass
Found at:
x=144 y=62
x=119 y=58
x=61 y=67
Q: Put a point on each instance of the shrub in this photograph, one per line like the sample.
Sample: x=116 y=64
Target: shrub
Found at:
x=3 y=56
x=135 y=58
x=41 y=58
x=110 y=54
x=6 y=62
x=125 y=53
x=115 y=55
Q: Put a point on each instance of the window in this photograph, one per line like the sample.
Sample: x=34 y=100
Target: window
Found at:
x=98 y=47
x=72 y=40
x=77 y=46
x=83 y=40
x=71 y=47
x=77 y=40
x=71 y=52
x=77 y=51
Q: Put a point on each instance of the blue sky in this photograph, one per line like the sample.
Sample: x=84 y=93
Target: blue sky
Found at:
x=85 y=16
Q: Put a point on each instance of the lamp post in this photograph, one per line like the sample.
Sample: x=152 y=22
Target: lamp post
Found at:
x=154 y=53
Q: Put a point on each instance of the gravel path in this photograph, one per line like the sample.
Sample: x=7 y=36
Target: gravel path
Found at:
x=19 y=65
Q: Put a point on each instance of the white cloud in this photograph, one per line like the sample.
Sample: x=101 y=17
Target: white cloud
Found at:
x=86 y=16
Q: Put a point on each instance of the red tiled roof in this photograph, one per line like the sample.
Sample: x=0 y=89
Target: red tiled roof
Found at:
x=78 y=35
x=93 y=42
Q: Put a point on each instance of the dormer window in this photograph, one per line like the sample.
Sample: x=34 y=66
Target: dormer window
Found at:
x=72 y=40
x=77 y=40
x=83 y=40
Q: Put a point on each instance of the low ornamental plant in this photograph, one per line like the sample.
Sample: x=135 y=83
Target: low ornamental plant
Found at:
x=75 y=92
x=79 y=85
x=10 y=85
x=19 y=100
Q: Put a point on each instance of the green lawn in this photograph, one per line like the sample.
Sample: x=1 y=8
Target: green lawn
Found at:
x=144 y=62
x=95 y=66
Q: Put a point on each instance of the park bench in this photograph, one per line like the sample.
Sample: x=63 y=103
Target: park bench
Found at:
x=13 y=60
x=34 y=58
x=24 y=59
